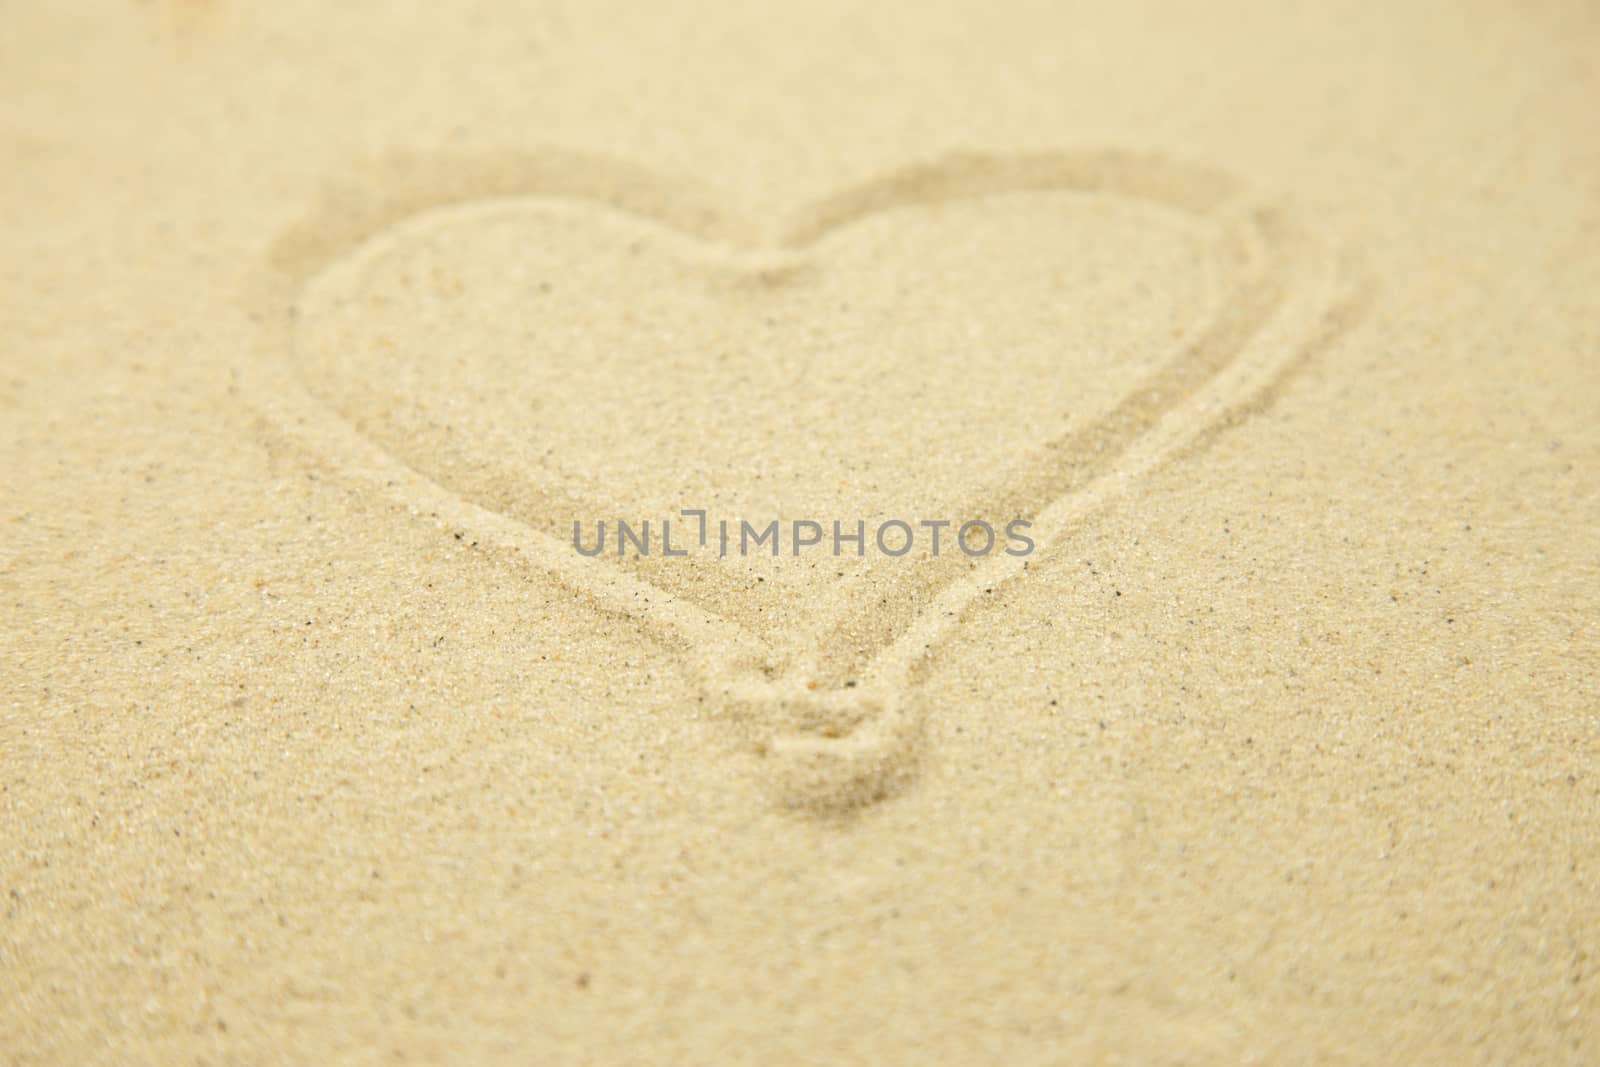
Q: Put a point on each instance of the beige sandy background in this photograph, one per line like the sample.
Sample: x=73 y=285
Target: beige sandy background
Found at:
x=1290 y=752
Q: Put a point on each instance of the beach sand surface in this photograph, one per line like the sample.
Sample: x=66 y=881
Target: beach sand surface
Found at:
x=319 y=744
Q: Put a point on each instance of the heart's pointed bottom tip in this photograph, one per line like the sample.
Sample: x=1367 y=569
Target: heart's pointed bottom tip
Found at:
x=837 y=776
x=831 y=753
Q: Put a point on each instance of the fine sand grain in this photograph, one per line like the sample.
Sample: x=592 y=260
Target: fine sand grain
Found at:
x=1275 y=329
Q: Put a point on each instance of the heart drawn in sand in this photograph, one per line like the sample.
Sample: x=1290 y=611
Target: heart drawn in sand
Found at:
x=519 y=343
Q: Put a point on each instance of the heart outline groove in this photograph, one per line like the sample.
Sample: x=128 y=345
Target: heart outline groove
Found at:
x=830 y=747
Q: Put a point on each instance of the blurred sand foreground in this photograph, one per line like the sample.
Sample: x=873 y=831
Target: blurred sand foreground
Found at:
x=319 y=743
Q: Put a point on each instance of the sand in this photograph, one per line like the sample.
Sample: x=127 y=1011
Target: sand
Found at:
x=321 y=743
